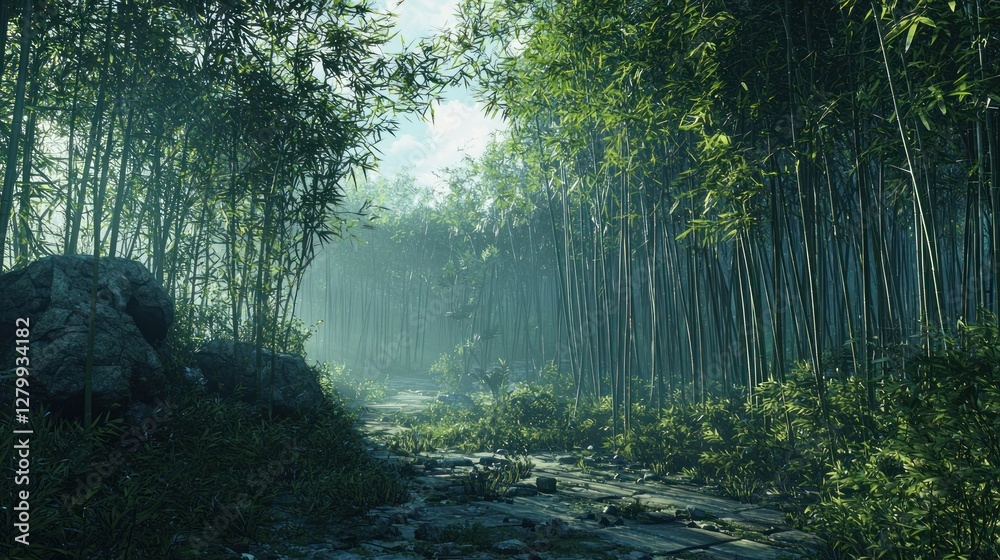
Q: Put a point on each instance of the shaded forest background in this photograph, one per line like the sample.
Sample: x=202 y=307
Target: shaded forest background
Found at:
x=692 y=198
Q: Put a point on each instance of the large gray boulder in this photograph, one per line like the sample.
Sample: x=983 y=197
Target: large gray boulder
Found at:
x=133 y=314
x=227 y=366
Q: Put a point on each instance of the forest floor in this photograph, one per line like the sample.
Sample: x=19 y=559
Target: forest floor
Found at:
x=591 y=515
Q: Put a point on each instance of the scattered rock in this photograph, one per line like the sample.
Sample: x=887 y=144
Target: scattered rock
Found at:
x=527 y=523
x=658 y=517
x=650 y=477
x=492 y=461
x=610 y=510
x=386 y=529
x=541 y=545
x=696 y=513
x=604 y=522
x=427 y=532
x=512 y=546
x=546 y=484
x=193 y=376
x=228 y=365
x=566 y=460
x=521 y=490
x=555 y=529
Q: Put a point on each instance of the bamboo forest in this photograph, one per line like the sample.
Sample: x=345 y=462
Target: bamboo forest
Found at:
x=534 y=279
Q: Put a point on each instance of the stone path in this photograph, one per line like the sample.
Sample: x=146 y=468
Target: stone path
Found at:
x=579 y=520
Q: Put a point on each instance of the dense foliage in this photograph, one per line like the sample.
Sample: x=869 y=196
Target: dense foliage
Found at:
x=210 y=140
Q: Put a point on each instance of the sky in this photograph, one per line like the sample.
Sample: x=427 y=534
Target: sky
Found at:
x=460 y=127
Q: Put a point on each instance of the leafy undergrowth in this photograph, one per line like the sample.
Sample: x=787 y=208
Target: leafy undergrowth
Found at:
x=338 y=380
x=528 y=419
x=906 y=465
x=198 y=476
x=492 y=482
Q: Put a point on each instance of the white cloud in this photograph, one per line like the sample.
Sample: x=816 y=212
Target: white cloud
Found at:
x=420 y=18
x=459 y=129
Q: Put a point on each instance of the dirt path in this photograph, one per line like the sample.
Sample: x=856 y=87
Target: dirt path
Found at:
x=586 y=517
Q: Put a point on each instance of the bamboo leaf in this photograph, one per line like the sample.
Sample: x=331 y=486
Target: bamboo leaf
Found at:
x=910 y=34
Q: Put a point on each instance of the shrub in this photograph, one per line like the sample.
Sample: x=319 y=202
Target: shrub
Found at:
x=339 y=382
x=931 y=486
x=492 y=482
x=448 y=371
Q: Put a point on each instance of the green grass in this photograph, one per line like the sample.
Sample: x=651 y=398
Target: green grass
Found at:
x=202 y=474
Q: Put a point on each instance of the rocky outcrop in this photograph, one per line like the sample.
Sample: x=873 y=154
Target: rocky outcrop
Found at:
x=228 y=366
x=53 y=296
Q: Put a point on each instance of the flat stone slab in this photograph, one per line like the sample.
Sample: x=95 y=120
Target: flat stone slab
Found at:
x=750 y=550
x=539 y=508
x=745 y=525
x=662 y=496
x=662 y=539
x=589 y=494
x=796 y=537
x=402 y=402
x=764 y=516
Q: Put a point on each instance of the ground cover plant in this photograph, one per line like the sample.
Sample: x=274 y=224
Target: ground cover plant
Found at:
x=491 y=482
x=928 y=485
x=198 y=475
